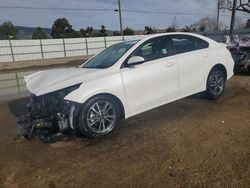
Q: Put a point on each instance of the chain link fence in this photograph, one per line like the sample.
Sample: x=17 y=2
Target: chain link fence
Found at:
x=220 y=35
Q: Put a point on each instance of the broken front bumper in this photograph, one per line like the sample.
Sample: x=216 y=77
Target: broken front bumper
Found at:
x=48 y=126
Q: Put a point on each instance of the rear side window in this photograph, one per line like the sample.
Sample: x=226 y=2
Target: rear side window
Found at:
x=186 y=43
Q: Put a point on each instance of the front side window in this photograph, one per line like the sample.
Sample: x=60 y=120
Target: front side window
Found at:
x=109 y=56
x=186 y=43
x=154 y=49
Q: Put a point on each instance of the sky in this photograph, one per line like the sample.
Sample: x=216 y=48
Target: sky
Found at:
x=110 y=18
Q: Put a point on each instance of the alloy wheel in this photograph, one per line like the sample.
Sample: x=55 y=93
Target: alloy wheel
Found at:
x=101 y=117
x=217 y=84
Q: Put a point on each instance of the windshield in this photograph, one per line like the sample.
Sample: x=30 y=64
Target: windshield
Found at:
x=109 y=56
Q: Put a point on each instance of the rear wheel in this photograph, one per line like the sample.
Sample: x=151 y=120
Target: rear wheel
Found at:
x=215 y=84
x=98 y=117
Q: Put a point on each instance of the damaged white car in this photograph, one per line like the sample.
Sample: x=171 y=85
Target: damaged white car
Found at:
x=121 y=81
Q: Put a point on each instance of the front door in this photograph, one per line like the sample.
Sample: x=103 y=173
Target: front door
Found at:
x=155 y=81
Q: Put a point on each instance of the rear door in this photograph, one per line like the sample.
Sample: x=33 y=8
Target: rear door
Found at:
x=193 y=61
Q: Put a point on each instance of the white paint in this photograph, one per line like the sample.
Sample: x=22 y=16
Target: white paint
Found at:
x=143 y=86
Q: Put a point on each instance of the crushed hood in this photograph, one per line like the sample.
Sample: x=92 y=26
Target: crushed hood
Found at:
x=47 y=81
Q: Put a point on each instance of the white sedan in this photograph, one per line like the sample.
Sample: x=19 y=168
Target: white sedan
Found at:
x=123 y=80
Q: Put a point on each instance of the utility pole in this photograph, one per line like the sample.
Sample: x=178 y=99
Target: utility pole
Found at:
x=120 y=18
x=218 y=15
x=174 y=22
x=233 y=19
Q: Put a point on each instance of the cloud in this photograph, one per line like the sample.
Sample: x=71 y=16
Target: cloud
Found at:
x=110 y=19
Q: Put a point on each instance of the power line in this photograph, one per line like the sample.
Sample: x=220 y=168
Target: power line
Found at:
x=172 y=13
x=109 y=9
x=51 y=8
x=88 y=19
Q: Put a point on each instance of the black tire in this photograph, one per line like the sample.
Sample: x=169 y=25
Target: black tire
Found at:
x=82 y=119
x=216 y=83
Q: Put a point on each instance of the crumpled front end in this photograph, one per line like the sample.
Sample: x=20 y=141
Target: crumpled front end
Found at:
x=49 y=116
x=240 y=51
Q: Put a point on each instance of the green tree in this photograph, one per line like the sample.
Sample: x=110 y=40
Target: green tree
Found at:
x=88 y=32
x=62 y=29
x=248 y=24
x=73 y=34
x=39 y=34
x=128 y=31
x=8 y=31
x=103 y=31
x=83 y=32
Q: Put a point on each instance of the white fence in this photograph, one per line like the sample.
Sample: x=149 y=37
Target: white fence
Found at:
x=12 y=85
x=21 y=50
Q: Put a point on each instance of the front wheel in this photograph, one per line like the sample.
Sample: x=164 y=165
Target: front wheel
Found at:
x=98 y=117
x=215 y=84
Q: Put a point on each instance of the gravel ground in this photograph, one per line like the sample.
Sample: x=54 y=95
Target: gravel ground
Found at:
x=192 y=142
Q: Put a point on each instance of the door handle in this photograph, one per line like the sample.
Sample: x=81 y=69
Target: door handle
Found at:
x=205 y=55
x=170 y=64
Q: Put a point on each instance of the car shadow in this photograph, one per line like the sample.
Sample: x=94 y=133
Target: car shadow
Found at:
x=241 y=73
x=135 y=124
x=18 y=107
x=200 y=96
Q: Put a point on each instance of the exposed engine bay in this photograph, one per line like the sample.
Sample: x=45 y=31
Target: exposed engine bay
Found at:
x=49 y=117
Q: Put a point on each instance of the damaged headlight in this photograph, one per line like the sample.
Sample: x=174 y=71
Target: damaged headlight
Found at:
x=65 y=91
x=71 y=88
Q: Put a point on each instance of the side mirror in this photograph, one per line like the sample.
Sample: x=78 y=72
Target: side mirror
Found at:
x=135 y=60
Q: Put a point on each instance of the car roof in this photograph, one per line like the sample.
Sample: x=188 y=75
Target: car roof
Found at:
x=146 y=37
